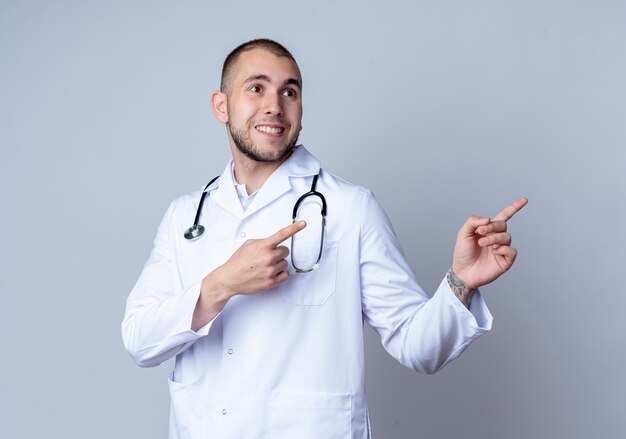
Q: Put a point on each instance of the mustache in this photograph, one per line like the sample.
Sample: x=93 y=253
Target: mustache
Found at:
x=270 y=120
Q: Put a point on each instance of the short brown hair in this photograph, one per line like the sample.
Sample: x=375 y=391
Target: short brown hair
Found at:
x=261 y=43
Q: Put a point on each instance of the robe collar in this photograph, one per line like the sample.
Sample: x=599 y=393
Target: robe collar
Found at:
x=301 y=163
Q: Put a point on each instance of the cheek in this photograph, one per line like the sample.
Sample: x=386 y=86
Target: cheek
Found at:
x=296 y=116
x=241 y=112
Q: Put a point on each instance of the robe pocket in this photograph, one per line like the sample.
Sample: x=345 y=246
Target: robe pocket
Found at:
x=310 y=415
x=315 y=287
x=179 y=409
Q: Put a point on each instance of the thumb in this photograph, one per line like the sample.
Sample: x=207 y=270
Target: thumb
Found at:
x=471 y=224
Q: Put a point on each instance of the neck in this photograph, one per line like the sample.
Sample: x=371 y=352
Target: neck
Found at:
x=252 y=173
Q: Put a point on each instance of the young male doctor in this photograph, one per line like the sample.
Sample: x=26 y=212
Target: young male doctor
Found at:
x=266 y=330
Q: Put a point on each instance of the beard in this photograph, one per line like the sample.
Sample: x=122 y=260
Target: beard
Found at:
x=246 y=146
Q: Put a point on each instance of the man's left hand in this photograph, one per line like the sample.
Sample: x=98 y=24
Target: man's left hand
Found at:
x=483 y=249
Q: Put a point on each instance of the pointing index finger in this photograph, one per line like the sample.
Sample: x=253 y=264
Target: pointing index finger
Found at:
x=286 y=233
x=508 y=212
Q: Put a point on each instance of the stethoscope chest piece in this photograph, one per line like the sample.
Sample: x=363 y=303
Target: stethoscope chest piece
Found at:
x=194 y=232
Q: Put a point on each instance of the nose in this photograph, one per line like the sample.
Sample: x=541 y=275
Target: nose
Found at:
x=273 y=105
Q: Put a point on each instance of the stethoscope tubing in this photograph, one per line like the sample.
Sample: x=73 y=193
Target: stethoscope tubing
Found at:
x=197 y=230
x=308 y=194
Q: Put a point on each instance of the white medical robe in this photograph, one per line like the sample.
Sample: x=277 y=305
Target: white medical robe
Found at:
x=287 y=362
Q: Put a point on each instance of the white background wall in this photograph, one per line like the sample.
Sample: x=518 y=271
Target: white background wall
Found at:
x=442 y=108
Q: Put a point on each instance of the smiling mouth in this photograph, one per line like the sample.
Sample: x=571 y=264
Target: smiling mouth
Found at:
x=269 y=130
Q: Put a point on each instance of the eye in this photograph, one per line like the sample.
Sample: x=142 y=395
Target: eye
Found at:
x=255 y=89
x=289 y=93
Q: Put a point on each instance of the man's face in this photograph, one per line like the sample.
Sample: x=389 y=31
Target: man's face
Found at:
x=264 y=106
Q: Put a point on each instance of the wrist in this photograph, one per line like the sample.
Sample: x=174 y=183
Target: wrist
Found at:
x=459 y=287
x=211 y=301
x=215 y=289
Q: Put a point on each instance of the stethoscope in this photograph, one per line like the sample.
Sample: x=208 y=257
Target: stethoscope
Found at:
x=197 y=230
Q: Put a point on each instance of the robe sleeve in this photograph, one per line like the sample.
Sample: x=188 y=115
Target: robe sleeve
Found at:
x=159 y=311
x=421 y=333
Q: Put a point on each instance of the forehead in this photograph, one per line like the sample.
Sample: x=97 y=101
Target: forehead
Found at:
x=261 y=62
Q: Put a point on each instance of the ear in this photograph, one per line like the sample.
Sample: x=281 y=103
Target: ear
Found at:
x=219 y=106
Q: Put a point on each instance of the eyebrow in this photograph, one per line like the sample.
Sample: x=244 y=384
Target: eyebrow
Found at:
x=262 y=77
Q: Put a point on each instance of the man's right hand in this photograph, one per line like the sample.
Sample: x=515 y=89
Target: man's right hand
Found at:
x=258 y=265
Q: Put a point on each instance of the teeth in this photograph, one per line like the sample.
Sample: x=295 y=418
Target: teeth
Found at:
x=269 y=130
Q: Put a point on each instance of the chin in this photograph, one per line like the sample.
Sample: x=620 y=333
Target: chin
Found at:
x=265 y=151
